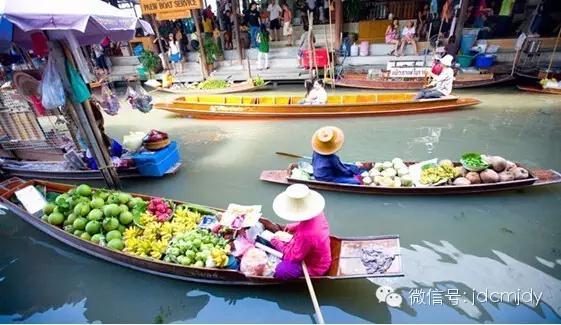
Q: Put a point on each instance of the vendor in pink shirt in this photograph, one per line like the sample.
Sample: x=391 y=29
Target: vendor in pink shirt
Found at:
x=310 y=242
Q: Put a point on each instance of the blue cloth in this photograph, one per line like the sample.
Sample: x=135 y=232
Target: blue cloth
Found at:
x=253 y=31
x=176 y=57
x=329 y=168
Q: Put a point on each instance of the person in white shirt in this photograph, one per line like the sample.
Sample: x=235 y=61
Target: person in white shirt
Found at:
x=441 y=84
x=275 y=12
x=408 y=37
x=175 y=54
x=317 y=95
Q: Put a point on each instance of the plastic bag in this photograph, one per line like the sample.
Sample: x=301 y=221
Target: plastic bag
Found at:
x=51 y=87
x=133 y=141
x=80 y=91
x=254 y=262
x=109 y=101
x=81 y=62
x=139 y=99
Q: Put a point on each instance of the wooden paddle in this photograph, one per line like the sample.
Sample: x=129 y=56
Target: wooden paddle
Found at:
x=292 y=155
x=312 y=294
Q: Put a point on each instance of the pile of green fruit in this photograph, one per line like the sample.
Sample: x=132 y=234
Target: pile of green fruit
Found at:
x=212 y=83
x=258 y=81
x=101 y=216
x=199 y=248
x=434 y=174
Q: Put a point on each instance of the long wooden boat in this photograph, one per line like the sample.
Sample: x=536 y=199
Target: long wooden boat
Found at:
x=539 y=89
x=463 y=81
x=235 y=88
x=538 y=177
x=266 y=107
x=346 y=252
x=13 y=170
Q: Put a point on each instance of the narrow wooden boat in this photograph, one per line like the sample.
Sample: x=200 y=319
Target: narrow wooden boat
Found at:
x=250 y=107
x=538 y=177
x=235 y=88
x=346 y=252
x=13 y=170
x=462 y=81
x=539 y=89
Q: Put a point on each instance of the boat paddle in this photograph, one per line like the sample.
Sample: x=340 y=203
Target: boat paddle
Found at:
x=292 y=155
x=319 y=316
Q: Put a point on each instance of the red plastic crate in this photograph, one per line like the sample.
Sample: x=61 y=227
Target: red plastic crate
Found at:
x=320 y=56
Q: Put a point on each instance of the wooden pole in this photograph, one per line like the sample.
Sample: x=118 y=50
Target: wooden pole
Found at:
x=554 y=50
x=319 y=316
x=195 y=13
x=310 y=45
x=156 y=28
x=461 y=19
x=338 y=22
x=100 y=152
x=331 y=64
x=237 y=33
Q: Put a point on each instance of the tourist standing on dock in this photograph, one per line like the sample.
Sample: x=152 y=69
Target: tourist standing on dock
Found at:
x=175 y=54
x=274 y=19
x=263 y=48
x=287 y=24
x=253 y=23
x=441 y=84
x=310 y=241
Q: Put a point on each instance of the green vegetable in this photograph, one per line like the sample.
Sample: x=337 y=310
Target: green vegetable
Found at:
x=212 y=83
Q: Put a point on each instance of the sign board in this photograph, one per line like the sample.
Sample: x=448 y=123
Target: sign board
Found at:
x=31 y=199
x=161 y=6
x=408 y=72
x=173 y=15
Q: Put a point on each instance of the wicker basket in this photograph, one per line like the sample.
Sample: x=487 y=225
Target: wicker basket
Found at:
x=157 y=145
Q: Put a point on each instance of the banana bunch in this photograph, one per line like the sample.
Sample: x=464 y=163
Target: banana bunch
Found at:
x=213 y=84
x=435 y=174
x=219 y=257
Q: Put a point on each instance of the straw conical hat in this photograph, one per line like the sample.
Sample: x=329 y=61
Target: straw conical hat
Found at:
x=298 y=203
x=328 y=140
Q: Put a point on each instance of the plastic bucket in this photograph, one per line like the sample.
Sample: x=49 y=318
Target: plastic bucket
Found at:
x=464 y=60
x=467 y=42
x=484 y=60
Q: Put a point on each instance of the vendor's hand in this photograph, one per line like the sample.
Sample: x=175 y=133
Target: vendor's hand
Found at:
x=272 y=227
x=367 y=165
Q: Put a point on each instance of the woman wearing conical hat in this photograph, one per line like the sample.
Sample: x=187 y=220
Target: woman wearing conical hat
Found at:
x=327 y=166
x=310 y=241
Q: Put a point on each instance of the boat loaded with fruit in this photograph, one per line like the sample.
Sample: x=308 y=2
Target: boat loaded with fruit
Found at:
x=141 y=155
x=474 y=173
x=178 y=239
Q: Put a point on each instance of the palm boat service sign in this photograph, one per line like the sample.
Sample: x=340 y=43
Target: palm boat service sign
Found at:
x=167 y=6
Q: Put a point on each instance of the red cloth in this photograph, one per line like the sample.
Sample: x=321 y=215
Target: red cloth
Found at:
x=39 y=109
x=310 y=243
x=437 y=68
x=39 y=44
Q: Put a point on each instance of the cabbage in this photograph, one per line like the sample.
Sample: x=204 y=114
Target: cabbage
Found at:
x=297 y=173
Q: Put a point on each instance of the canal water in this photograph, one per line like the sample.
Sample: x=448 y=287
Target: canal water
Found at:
x=462 y=255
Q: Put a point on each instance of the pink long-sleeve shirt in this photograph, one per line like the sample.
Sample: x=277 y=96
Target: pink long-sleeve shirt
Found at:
x=310 y=243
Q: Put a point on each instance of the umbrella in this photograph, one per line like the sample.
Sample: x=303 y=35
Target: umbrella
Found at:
x=89 y=20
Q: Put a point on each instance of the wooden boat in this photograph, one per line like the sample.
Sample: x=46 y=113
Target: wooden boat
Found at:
x=235 y=88
x=540 y=89
x=251 y=107
x=462 y=81
x=346 y=252
x=14 y=170
x=538 y=177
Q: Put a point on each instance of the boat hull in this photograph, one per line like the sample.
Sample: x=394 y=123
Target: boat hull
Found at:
x=233 y=111
x=538 y=177
x=229 y=90
x=374 y=84
x=342 y=267
x=538 y=89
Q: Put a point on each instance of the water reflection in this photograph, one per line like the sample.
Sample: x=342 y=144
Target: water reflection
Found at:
x=444 y=268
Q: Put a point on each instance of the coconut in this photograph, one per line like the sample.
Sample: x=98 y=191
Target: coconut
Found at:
x=390 y=172
x=506 y=176
x=397 y=182
x=374 y=172
x=399 y=166
x=406 y=180
x=364 y=174
x=367 y=180
x=497 y=163
x=461 y=181
x=397 y=161
x=520 y=173
x=402 y=171
x=378 y=179
x=473 y=177
x=386 y=181
x=387 y=164
x=489 y=176
x=378 y=166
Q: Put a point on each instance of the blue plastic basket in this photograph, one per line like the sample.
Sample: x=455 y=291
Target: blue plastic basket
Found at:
x=484 y=60
x=156 y=163
x=467 y=43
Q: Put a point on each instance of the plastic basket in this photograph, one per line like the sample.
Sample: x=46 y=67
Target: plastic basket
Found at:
x=156 y=163
x=464 y=60
x=484 y=60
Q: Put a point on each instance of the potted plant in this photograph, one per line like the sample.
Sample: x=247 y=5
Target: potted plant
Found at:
x=150 y=61
x=211 y=52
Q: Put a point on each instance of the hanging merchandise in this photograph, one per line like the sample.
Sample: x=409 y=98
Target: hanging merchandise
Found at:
x=139 y=98
x=109 y=101
x=51 y=86
x=81 y=62
x=37 y=106
x=80 y=91
x=39 y=44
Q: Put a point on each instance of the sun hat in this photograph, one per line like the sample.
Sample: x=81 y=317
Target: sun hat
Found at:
x=298 y=203
x=446 y=60
x=328 y=140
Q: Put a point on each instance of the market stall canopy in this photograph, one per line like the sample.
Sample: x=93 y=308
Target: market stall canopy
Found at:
x=90 y=20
